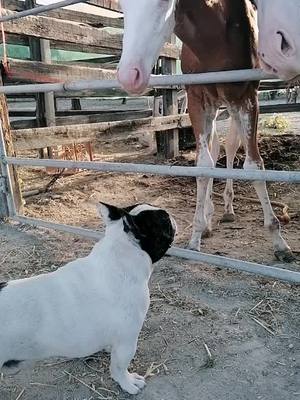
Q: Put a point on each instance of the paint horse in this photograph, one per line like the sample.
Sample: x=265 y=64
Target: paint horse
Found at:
x=279 y=36
x=217 y=35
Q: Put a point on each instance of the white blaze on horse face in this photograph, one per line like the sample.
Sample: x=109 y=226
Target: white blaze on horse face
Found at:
x=147 y=26
x=279 y=36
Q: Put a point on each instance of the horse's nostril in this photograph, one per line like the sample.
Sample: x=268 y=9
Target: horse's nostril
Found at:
x=286 y=48
x=138 y=74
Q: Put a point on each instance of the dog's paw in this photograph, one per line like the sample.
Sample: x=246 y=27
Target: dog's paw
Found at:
x=133 y=383
x=138 y=380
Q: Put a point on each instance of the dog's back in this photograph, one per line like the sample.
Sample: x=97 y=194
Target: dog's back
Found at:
x=76 y=310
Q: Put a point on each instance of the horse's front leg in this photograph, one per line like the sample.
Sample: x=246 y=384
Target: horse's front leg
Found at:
x=203 y=124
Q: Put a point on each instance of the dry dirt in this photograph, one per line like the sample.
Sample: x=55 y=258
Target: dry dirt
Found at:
x=250 y=325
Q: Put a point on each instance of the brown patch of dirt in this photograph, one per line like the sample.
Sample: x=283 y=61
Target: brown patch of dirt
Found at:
x=249 y=324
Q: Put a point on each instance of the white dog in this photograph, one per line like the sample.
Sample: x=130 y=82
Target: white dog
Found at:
x=94 y=303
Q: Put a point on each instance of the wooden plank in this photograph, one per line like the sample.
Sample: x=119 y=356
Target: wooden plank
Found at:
x=168 y=145
x=39 y=72
x=22 y=114
x=119 y=116
x=98 y=21
x=77 y=114
x=279 y=108
x=23 y=41
x=274 y=85
x=91 y=105
x=18 y=39
x=36 y=55
x=112 y=5
x=28 y=139
x=93 y=20
x=23 y=124
x=10 y=150
x=49 y=97
x=91 y=93
x=103 y=117
x=68 y=32
x=86 y=119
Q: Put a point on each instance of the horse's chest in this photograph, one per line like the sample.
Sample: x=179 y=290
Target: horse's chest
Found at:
x=215 y=96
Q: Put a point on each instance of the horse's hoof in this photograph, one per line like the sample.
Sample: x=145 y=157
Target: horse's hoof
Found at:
x=208 y=233
x=285 y=256
x=193 y=246
x=228 y=217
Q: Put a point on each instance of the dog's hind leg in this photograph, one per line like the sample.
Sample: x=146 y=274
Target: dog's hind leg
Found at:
x=121 y=355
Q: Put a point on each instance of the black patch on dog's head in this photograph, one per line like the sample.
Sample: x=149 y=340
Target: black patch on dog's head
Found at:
x=153 y=228
x=2 y=285
x=154 y=231
x=11 y=363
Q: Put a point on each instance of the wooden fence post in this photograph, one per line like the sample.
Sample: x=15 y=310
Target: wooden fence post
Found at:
x=7 y=136
x=168 y=141
x=49 y=97
x=45 y=108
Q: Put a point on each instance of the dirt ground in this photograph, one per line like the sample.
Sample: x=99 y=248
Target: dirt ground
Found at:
x=210 y=334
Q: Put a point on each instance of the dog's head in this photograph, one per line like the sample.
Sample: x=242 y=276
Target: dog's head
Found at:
x=152 y=228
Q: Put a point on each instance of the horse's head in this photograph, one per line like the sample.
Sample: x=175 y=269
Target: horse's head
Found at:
x=279 y=36
x=147 y=26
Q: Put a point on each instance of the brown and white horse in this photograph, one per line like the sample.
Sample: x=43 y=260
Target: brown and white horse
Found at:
x=150 y=22
x=279 y=36
x=217 y=35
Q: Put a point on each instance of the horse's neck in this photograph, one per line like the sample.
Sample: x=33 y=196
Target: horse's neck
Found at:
x=195 y=20
x=217 y=30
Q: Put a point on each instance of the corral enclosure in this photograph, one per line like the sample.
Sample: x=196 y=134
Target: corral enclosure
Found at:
x=210 y=333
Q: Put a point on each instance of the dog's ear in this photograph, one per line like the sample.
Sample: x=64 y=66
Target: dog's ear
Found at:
x=130 y=225
x=110 y=213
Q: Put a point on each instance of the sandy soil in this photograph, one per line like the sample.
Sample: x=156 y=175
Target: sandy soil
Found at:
x=250 y=325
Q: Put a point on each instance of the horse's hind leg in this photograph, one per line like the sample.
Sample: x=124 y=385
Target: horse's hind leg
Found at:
x=232 y=144
x=248 y=118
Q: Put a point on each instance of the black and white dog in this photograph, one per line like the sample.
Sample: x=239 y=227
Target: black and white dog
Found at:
x=94 y=303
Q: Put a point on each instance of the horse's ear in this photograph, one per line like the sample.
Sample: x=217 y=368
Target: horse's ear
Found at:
x=109 y=212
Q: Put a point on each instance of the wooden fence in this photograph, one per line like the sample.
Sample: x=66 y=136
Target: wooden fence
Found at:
x=44 y=120
x=76 y=31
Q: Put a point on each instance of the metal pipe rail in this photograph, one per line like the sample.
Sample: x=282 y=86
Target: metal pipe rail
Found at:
x=217 y=261
x=155 y=81
x=244 y=75
x=221 y=173
x=39 y=10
